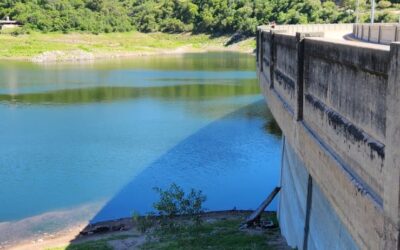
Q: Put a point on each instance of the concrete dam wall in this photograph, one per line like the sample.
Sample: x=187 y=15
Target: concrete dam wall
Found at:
x=337 y=103
x=383 y=33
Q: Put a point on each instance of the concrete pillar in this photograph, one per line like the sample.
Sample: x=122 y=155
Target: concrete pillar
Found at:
x=257 y=47
x=362 y=32
x=299 y=86
x=308 y=213
x=391 y=196
x=369 y=33
x=260 y=50
x=272 y=50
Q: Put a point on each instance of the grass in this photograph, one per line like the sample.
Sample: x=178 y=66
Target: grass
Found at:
x=92 y=245
x=219 y=234
x=27 y=46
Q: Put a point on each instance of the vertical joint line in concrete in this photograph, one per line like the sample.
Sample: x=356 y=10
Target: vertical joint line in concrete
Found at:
x=258 y=47
x=261 y=46
x=369 y=33
x=282 y=156
x=391 y=189
x=362 y=33
x=308 y=213
x=272 y=59
x=280 y=181
x=299 y=87
x=379 y=34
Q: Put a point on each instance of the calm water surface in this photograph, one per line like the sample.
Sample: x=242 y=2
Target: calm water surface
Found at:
x=90 y=141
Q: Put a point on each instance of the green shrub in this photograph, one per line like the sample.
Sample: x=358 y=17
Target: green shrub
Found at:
x=15 y=31
x=173 y=201
x=386 y=17
x=173 y=25
x=143 y=223
x=210 y=16
x=384 y=4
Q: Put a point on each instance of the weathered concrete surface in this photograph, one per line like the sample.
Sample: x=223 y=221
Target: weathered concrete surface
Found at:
x=337 y=104
x=392 y=160
x=301 y=195
x=330 y=30
x=382 y=33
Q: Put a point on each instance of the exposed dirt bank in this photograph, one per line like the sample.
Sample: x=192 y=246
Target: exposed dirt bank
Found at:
x=80 y=55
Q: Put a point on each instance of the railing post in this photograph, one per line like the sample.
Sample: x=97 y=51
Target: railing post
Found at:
x=257 y=46
x=272 y=50
x=299 y=86
x=391 y=195
x=262 y=50
x=259 y=50
x=369 y=33
x=362 y=32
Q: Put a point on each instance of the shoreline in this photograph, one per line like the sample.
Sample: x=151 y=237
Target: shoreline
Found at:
x=38 y=229
x=84 y=232
x=75 y=47
x=129 y=55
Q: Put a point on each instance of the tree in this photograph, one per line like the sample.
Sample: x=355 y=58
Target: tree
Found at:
x=209 y=16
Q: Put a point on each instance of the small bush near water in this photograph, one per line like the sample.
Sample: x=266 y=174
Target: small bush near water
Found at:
x=173 y=202
x=143 y=223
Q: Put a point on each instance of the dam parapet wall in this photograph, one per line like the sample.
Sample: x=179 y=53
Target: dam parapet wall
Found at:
x=382 y=33
x=337 y=104
x=293 y=28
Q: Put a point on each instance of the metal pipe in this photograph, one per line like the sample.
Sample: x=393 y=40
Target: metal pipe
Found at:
x=372 y=11
x=358 y=11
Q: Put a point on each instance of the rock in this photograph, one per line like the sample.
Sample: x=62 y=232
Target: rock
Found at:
x=101 y=229
x=57 y=56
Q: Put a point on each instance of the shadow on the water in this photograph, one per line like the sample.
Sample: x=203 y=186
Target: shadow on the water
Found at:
x=215 y=155
x=273 y=128
x=212 y=61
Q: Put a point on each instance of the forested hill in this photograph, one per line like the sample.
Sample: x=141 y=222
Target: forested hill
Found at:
x=209 y=16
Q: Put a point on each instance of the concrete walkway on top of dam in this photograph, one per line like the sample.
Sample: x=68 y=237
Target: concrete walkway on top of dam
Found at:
x=349 y=37
x=342 y=35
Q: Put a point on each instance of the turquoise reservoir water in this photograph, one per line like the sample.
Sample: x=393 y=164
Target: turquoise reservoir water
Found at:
x=90 y=141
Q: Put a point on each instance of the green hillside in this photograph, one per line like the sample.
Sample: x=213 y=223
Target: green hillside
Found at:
x=175 y=16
